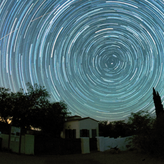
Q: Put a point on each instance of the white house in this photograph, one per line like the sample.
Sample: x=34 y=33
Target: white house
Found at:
x=77 y=127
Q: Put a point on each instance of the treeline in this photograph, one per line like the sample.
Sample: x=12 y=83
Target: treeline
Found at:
x=147 y=132
x=130 y=127
x=32 y=110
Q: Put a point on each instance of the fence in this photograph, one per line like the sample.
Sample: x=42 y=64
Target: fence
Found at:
x=105 y=143
x=5 y=140
x=50 y=145
x=93 y=144
x=38 y=144
x=23 y=145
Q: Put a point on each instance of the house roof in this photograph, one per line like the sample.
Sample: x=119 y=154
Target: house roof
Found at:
x=73 y=118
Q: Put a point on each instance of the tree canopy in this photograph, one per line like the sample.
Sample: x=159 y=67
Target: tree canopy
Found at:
x=147 y=132
x=32 y=109
x=158 y=103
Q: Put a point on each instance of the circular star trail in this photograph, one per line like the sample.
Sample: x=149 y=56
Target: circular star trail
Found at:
x=102 y=58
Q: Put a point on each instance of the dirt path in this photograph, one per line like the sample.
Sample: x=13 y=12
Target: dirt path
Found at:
x=92 y=158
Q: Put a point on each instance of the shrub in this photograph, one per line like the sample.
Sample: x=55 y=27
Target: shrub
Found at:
x=149 y=133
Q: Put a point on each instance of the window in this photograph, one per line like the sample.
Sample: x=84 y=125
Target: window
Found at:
x=84 y=133
x=70 y=133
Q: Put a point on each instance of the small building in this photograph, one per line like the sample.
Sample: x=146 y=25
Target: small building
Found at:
x=77 y=127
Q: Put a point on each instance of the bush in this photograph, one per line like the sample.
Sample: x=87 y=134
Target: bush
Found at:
x=149 y=133
x=114 y=129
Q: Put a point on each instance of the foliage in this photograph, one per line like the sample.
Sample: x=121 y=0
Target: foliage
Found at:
x=140 y=122
x=142 y=127
x=121 y=129
x=158 y=135
x=4 y=128
x=158 y=103
x=147 y=132
x=114 y=129
x=53 y=119
x=150 y=134
x=105 y=128
x=32 y=109
x=5 y=104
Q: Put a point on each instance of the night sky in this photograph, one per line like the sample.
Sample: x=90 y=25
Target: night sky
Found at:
x=102 y=58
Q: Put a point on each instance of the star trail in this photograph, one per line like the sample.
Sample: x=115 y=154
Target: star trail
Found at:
x=102 y=58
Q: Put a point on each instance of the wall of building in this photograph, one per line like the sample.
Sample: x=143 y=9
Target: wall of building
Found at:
x=72 y=125
x=89 y=124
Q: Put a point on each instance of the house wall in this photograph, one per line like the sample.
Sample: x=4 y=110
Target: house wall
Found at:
x=72 y=125
x=89 y=124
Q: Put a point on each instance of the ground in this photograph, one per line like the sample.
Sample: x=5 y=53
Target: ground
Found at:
x=128 y=157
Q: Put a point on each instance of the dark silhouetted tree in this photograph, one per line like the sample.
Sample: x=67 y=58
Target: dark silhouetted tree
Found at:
x=105 y=128
x=6 y=104
x=120 y=129
x=114 y=129
x=54 y=118
x=158 y=103
x=140 y=122
x=33 y=109
x=149 y=133
x=142 y=125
